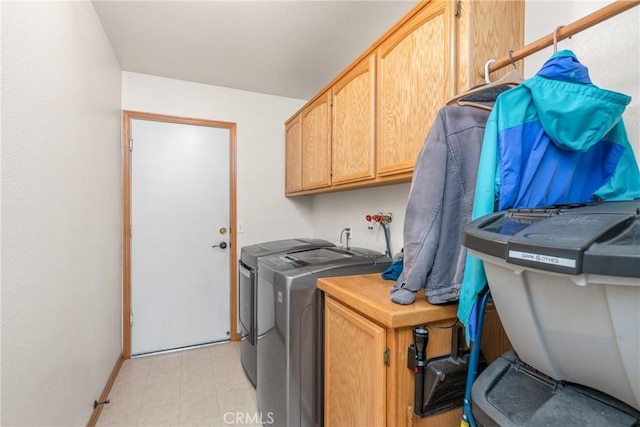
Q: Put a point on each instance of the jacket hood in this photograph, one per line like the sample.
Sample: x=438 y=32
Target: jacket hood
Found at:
x=575 y=113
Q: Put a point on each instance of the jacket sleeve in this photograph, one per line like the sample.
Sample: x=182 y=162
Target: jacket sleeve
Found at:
x=625 y=182
x=486 y=188
x=423 y=215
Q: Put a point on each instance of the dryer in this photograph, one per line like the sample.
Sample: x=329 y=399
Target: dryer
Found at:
x=291 y=329
x=247 y=274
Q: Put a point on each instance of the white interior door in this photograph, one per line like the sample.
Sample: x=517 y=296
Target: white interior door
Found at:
x=179 y=204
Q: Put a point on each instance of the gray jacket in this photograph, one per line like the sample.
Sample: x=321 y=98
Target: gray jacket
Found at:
x=440 y=204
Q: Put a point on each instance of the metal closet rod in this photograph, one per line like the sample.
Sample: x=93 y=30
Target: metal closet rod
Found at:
x=567 y=31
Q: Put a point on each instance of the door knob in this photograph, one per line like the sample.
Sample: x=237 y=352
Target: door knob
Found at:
x=221 y=245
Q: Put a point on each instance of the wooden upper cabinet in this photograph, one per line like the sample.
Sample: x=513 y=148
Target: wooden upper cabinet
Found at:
x=487 y=30
x=293 y=155
x=386 y=101
x=353 y=148
x=413 y=83
x=316 y=143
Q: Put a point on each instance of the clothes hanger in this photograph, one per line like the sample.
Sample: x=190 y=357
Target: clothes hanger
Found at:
x=555 y=38
x=484 y=96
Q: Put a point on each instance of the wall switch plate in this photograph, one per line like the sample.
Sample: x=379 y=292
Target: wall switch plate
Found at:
x=240 y=225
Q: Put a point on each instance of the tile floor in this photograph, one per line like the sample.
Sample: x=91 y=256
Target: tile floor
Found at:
x=205 y=386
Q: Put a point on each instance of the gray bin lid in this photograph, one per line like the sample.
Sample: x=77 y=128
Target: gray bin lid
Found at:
x=597 y=238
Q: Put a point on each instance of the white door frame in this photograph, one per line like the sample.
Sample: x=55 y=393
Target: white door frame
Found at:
x=127 y=116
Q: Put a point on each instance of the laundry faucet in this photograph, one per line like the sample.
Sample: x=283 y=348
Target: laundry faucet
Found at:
x=346 y=231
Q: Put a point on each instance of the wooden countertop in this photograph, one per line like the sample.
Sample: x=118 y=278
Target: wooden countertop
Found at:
x=369 y=295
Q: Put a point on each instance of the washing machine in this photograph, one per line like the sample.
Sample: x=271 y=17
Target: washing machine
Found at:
x=291 y=329
x=247 y=270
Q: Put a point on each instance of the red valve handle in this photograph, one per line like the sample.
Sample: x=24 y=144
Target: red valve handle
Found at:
x=368 y=218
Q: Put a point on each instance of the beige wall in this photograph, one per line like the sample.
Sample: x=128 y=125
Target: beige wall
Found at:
x=61 y=212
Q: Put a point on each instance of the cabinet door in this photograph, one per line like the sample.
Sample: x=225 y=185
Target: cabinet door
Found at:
x=414 y=81
x=353 y=147
x=316 y=143
x=487 y=29
x=355 y=375
x=293 y=156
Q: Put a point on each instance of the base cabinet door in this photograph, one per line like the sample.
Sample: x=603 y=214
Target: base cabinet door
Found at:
x=355 y=373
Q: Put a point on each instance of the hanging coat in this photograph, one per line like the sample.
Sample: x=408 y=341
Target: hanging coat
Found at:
x=440 y=203
x=555 y=139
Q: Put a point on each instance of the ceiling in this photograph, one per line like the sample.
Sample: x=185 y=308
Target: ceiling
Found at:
x=286 y=48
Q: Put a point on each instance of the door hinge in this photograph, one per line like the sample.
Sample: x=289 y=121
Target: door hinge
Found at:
x=131 y=231
x=386 y=356
x=458 y=9
x=131 y=318
x=130 y=144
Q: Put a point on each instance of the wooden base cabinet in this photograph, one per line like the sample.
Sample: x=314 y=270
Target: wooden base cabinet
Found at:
x=367 y=382
x=355 y=380
x=361 y=389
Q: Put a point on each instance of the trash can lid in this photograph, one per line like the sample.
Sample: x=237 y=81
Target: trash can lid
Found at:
x=573 y=239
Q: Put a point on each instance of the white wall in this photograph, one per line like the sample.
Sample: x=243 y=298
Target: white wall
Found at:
x=611 y=49
x=335 y=211
x=61 y=212
x=261 y=205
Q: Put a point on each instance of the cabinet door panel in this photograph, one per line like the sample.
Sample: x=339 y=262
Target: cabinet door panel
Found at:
x=293 y=156
x=413 y=83
x=353 y=148
x=488 y=29
x=355 y=375
x=316 y=143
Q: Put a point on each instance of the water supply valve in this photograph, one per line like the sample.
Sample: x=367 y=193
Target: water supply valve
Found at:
x=385 y=218
x=368 y=218
x=379 y=218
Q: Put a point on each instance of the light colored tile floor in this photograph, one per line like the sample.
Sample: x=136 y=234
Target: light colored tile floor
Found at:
x=199 y=387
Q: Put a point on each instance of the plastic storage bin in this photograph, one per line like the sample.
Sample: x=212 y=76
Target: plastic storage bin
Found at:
x=566 y=284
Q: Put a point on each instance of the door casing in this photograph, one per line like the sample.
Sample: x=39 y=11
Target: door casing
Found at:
x=127 y=116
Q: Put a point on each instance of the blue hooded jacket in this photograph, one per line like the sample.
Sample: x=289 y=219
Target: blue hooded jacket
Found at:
x=554 y=139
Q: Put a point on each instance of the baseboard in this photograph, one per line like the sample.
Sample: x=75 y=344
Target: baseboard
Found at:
x=105 y=393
